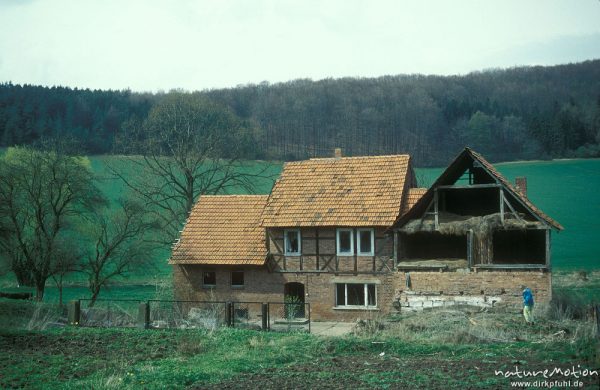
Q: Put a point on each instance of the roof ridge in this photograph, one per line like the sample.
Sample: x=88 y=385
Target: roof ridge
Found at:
x=233 y=195
x=353 y=157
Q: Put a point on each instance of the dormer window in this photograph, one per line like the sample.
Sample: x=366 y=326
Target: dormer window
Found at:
x=345 y=242
x=292 y=242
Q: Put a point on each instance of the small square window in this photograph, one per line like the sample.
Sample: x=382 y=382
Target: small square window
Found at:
x=209 y=278
x=366 y=242
x=345 y=242
x=237 y=279
x=292 y=242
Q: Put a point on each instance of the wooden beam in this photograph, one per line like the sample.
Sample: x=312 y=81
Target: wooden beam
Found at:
x=512 y=209
x=427 y=210
x=395 y=247
x=469 y=248
x=501 y=195
x=435 y=204
x=548 y=249
x=331 y=257
x=422 y=267
x=317 y=246
x=470 y=186
x=355 y=243
x=511 y=266
x=274 y=242
x=337 y=273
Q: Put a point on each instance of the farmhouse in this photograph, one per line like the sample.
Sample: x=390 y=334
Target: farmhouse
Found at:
x=354 y=236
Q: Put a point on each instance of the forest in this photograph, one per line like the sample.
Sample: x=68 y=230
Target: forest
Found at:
x=506 y=114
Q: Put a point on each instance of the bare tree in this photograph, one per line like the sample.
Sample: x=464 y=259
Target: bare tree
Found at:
x=66 y=260
x=187 y=147
x=120 y=244
x=42 y=191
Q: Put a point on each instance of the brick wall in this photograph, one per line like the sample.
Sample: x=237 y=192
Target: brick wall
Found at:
x=262 y=286
x=502 y=286
x=493 y=288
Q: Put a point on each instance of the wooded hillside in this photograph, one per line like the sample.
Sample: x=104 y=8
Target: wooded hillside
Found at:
x=519 y=113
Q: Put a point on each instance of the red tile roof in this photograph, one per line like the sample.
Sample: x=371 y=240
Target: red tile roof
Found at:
x=222 y=230
x=348 y=191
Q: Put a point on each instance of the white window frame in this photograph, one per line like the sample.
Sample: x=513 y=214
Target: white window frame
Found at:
x=285 y=242
x=337 y=242
x=372 y=252
x=365 y=292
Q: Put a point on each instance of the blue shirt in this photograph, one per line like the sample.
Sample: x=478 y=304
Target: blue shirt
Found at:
x=527 y=297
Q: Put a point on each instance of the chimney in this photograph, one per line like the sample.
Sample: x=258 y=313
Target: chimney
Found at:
x=338 y=153
x=521 y=184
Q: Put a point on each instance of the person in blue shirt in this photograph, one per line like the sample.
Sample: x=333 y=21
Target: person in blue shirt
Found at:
x=528 y=305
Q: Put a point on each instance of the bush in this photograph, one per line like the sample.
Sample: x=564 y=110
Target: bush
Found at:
x=568 y=305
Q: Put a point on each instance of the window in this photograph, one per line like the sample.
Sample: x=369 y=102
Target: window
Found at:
x=356 y=294
x=209 y=278
x=365 y=242
x=292 y=242
x=345 y=242
x=237 y=278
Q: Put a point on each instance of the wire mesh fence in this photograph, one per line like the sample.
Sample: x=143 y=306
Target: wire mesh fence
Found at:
x=186 y=314
x=107 y=313
x=247 y=315
x=164 y=314
x=289 y=316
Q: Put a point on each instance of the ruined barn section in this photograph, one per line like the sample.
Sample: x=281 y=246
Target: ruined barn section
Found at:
x=473 y=220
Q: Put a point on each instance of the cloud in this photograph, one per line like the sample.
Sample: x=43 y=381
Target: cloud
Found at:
x=150 y=45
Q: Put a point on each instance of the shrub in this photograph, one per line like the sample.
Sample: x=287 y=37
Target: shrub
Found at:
x=567 y=305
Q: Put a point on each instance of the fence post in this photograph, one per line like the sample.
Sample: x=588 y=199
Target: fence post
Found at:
x=309 y=321
x=74 y=312
x=228 y=310
x=265 y=316
x=143 y=321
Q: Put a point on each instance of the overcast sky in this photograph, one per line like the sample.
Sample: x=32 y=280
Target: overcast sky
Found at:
x=197 y=44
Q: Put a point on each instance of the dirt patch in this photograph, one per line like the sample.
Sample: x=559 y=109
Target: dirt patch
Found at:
x=361 y=372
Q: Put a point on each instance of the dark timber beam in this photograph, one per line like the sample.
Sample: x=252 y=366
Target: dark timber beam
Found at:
x=395 y=248
x=513 y=209
x=470 y=186
x=511 y=266
x=317 y=246
x=548 y=249
x=501 y=195
x=469 y=248
x=436 y=208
